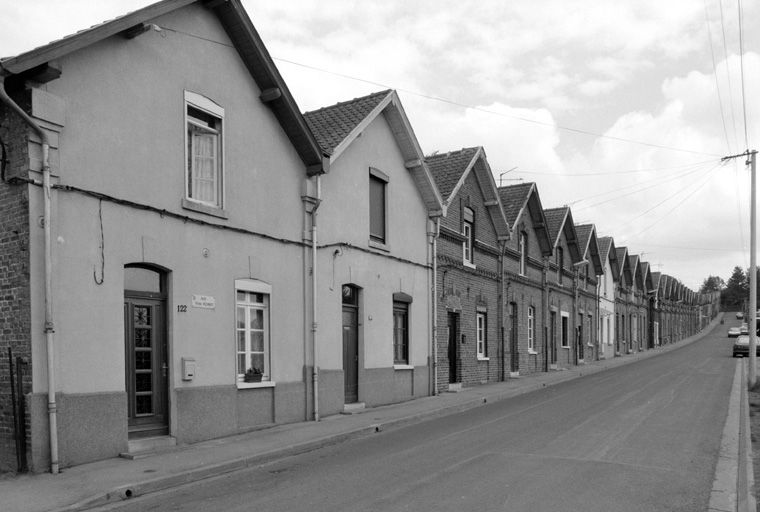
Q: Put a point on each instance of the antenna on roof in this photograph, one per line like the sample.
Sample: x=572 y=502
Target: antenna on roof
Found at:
x=501 y=174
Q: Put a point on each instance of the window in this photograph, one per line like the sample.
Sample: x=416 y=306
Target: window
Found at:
x=564 y=333
x=468 y=219
x=560 y=264
x=482 y=345
x=523 y=253
x=531 y=327
x=204 y=158
x=401 y=328
x=378 y=183
x=252 y=328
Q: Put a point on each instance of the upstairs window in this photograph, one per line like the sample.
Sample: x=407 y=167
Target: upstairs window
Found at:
x=378 y=183
x=204 y=174
x=523 y=253
x=560 y=264
x=468 y=220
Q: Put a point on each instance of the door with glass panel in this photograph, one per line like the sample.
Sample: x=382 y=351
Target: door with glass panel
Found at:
x=146 y=368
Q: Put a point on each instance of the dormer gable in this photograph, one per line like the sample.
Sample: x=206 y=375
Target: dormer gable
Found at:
x=520 y=202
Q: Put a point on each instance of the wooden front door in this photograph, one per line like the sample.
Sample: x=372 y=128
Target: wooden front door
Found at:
x=453 y=320
x=146 y=366
x=350 y=354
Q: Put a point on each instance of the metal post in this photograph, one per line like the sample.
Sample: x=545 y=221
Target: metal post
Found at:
x=752 y=277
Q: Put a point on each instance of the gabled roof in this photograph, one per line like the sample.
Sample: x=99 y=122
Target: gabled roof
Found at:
x=625 y=267
x=522 y=199
x=589 y=246
x=607 y=251
x=239 y=28
x=338 y=126
x=646 y=276
x=560 y=221
x=633 y=260
x=450 y=170
x=657 y=282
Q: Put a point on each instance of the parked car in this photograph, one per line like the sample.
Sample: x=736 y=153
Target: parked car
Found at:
x=739 y=315
x=741 y=347
x=744 y=329
x=733 y=332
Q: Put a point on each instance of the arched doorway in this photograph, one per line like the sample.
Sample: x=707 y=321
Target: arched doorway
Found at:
x=146 y=367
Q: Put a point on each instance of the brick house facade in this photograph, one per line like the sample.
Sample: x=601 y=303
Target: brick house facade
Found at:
x=472 y=232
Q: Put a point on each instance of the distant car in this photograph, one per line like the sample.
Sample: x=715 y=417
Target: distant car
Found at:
x=733 y=332
x=741 y=347
x=739 y=315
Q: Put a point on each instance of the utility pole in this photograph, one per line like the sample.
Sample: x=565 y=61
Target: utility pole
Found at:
x=752 y=320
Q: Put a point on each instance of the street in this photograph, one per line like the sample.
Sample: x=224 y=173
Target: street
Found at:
x=643 y=437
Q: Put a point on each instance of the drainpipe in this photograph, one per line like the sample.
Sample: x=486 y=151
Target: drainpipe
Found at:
x=434 y=236
x=49 y=326
x=315 y=375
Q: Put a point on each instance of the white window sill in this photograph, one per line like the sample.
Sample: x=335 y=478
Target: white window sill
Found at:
x=481 y=358
x=189 y=204
x=468 y=264
x=566 y=347
x=591 y=345
x=532 y=352
x=379 y=245
x=254 y=385
x=403 y=367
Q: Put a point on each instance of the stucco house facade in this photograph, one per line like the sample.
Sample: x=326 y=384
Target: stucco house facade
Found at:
x=377 y=212
x=606 y=293
x=587 y=300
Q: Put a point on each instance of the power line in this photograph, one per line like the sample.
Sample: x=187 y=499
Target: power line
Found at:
x=741 y=67
x=614 y=173
x=493 y=112
x=715 y=74
x=728 y=70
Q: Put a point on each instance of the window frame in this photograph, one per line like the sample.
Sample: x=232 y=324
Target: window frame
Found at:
x=253 y=286
x=376 y=239
x=208 y=107
x=560 y=261
x=468 y=232
x=523 y=247
x=481 y=335
x=531 y=328
x=401 y=305
x=564 y=330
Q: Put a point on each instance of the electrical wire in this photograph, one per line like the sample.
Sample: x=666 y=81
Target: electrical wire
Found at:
x=728 y=70
x=741 y=67
x=613 y=173
x=715 y=74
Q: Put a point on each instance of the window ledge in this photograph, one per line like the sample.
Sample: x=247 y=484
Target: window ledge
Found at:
x=379 y=245
x=565 y=347
x=468 y=264
x=532 y=352
x=403 y=367
x=187 y=204
x=481 y=358
x=255 y=385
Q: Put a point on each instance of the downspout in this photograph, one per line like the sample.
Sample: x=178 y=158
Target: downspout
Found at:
x=435 y=303
x=315 y=374
x=501 y=316
x=49 y=325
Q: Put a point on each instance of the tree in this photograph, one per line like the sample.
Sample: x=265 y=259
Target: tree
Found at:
x=712 y=284
x=736 y=290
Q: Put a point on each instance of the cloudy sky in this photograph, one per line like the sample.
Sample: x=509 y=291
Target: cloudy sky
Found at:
x=621 y=109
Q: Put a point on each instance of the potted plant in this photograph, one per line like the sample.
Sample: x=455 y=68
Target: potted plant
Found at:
x=253 y=375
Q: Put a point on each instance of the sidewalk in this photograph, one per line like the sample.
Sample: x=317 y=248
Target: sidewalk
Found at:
x=113 y=480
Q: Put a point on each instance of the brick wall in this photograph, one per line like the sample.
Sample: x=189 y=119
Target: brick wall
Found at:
x=15 y=302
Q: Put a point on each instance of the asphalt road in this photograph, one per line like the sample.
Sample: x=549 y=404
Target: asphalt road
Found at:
x=642 y=437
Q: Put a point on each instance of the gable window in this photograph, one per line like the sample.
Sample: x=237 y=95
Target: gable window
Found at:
x=378 y=184
x=401 y=303
x=531 y=328
x=560 y=264
x=482 y=344
x=252 y=330
x=204 y=162
x=468 y=222
x=564 y=332
x=523 y=253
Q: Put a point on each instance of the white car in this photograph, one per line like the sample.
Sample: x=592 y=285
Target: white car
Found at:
x=733 y=332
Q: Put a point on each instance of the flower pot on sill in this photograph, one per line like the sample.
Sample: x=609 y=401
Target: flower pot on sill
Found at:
x=252 y=377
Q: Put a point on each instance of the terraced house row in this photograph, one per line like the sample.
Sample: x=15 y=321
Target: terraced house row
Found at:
x=186 y=255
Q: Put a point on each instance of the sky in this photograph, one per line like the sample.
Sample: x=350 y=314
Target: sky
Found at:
x=621 y=110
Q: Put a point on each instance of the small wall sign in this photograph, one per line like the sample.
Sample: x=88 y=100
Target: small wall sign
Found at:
x=204 y=302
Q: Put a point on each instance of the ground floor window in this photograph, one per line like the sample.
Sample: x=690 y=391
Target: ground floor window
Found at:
x=252 y=299
x=531 y=327
x=482 y=345
x=400 y=333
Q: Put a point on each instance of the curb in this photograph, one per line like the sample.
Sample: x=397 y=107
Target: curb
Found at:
x=125 y=493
